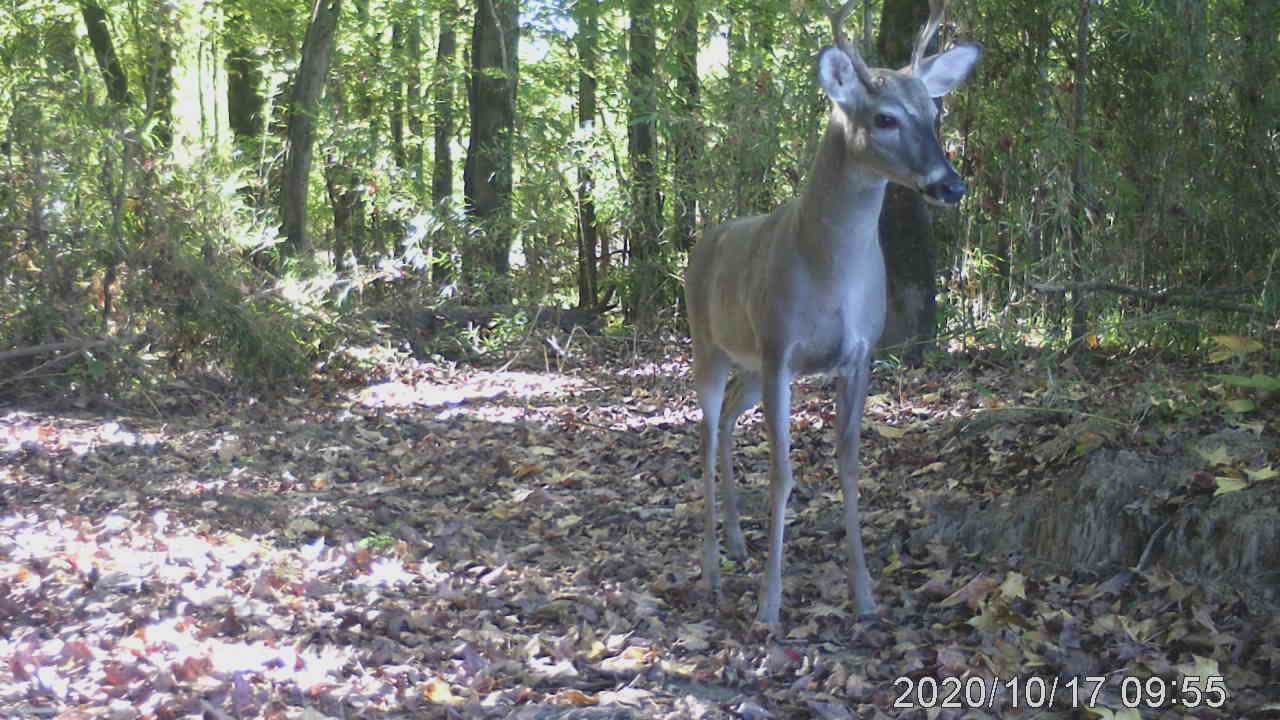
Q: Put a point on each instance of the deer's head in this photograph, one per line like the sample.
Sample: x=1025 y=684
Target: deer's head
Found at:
x=888 y=116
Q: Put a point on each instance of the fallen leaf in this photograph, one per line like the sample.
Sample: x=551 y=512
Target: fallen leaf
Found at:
x=1229 y=485
x=1216 y=456
x=972 y=594
x=888 y=431
x=438 y=691
x=930 y=468
x=1261 y=474
x=1014 y=586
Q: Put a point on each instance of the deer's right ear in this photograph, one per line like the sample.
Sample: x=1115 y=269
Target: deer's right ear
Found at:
x=837 y=76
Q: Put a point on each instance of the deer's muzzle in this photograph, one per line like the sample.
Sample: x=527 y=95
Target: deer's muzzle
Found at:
x=948 y=190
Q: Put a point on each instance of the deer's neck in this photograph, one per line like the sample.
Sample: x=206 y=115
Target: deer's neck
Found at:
x=840 y=205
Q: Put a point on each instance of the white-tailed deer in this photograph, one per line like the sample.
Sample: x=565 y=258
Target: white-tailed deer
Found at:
x=802 y=290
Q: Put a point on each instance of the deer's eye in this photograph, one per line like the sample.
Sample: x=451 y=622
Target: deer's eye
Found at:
x=885 y=122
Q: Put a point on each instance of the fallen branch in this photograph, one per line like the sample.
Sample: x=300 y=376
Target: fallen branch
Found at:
x=76 y=345
x=1160 y=297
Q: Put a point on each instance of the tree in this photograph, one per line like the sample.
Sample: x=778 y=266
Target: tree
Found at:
x=245 y=101
x=1076 y=213
x=159 y=74
x=345 y=187
x=104 y=51
x=756 y=116
x=304 y=100
x=486 y=178
x=687 y=131
x=586 y=13
x=905 y=234
x=644 y=225
x=442 y=167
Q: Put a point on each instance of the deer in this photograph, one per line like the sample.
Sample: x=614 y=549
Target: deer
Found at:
x=802 y=290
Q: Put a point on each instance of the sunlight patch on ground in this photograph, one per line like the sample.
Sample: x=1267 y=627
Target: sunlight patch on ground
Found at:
x=479 y=387
x=20 y=430
x=668 y=369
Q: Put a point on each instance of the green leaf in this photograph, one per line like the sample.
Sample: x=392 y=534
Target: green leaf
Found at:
x=1241 y=405
x=1257 y=381
x=1230 y=346
x=1216 y=456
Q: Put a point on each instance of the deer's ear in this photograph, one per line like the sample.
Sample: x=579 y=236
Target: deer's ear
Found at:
x=944 y=72
x=837 y=76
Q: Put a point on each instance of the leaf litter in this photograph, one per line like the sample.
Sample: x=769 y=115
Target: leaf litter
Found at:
x=441 y=542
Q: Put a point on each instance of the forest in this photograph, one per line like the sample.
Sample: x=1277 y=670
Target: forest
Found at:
x=356 y=358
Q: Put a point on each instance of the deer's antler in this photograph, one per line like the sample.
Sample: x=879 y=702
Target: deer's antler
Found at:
x=842 y=41
x=936 y=9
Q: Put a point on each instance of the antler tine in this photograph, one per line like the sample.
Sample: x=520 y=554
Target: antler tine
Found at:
x=842 y=41
x=936 y=10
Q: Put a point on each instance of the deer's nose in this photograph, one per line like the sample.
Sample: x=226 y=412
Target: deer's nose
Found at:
x=948 y=190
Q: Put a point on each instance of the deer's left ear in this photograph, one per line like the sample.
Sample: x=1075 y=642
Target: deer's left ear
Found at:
x=837 y=76
x=944 y=72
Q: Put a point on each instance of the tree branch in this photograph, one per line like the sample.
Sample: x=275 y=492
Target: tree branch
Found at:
x=1177 y=296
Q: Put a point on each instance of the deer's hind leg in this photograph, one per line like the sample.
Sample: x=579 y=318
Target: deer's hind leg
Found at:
x=743 y=393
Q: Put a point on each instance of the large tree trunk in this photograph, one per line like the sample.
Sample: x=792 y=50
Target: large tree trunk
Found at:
x=99 y=31
x=586 y=13
x=688 y=132
x=1077 y=217
x=905 y=232
x=442 y=166
x=487 y=176
x=304 y=101
x=644 y=226
x=245 y=101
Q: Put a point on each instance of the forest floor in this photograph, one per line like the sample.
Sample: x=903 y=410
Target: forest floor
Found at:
x=425 y=540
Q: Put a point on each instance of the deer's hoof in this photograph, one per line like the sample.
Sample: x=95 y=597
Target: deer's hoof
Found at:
x=711 y=582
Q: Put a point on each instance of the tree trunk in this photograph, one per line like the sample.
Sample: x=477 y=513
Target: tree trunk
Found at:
x=345 y=188
x=905 y=223
x=487 y=176
x=159 y=81
x=688 y=131
x=1076 y=213
x=99 y=31
x=758 y=124
x=304 y=102
x=442 y=165
x=1258 y=34
x=1258 y=186
x=399 y=61
x=646 y=206
x=245 y=101
x=586 y=13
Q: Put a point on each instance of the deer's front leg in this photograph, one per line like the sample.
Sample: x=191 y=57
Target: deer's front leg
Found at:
x=851 y=399
x=777 y=416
